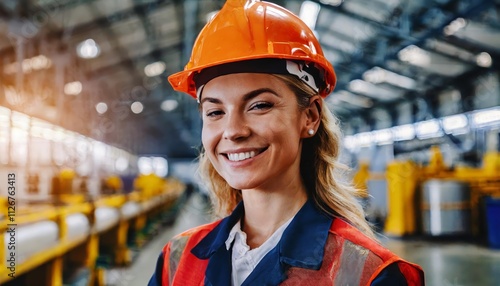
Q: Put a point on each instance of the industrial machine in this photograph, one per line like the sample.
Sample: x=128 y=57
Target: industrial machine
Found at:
x=435 y=200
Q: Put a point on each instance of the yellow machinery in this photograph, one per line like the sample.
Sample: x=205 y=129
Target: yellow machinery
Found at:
x=360 y=179
x=405 y=178
x=52 y=239
x=402 y=181
x=51 y=259
x=112 y=185
x=62 y=190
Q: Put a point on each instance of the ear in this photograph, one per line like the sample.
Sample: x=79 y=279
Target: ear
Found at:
x=312 y=116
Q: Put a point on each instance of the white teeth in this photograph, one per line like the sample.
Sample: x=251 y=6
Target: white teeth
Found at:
x=240 y=156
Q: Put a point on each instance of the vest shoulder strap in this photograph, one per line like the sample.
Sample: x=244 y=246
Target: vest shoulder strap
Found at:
x=371 y=254
x=181 y=267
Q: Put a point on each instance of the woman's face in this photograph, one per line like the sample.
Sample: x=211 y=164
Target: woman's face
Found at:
x=252 y=130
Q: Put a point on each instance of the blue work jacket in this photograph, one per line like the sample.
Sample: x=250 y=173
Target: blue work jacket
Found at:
x=302 y=247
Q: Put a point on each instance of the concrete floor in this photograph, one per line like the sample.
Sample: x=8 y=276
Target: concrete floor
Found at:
x=451 y=263
x=445 y=263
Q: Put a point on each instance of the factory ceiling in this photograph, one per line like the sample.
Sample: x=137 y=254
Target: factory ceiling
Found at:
x=99 y=67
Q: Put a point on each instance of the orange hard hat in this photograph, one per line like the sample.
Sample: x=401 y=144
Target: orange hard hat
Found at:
x=249 y=30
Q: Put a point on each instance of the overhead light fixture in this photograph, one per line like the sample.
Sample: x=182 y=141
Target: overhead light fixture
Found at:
x=160 y=166
x=415 y=55
x=169 y=105
x=150 y=165
x=145 y=165
x=4 y=122
x=484 y=60
x=351 y=98
x=382 y=136
x=456 y=124
x=155 y=69
x=39 y=62
x=309 y=13
x=364 y=139
x=332 y=2
x=12 y=96
x=455 y=26
x=73 y=88
x=428 y=129
x=101 y=107
x=88 y=49
x=20 y=120
x=375 y=75
x=121 y=164
x=487 y=117
x=449 y=49
x=59 y=134
x=403 y=132
x=359 y=86
x=4 y=112
x=136 y=107
x=378 y=75
x=374 y=91
x=350 y=142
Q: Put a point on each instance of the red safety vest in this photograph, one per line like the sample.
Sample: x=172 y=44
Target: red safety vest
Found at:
x=351 y=258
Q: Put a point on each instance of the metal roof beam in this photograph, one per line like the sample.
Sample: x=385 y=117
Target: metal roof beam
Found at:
x=408 y=39
x=384 y=29
x=472 y=9
x=191 y=9
x=464 y=12
x=130 y=61
x=88 y=27
x=147 y=26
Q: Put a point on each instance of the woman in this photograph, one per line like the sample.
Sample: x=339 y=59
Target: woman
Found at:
x=270 y=158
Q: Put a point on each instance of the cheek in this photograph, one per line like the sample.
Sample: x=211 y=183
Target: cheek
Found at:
x=206 y=138
x=285 y=132
x=209 y=139
x=286 y=127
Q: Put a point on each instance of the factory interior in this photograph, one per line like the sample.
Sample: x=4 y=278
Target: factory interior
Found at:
x=98 y=154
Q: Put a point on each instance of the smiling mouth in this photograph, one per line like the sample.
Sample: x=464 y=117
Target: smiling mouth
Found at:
x=236 y=157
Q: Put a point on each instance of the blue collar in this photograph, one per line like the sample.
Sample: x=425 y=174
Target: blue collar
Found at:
x=302 y=244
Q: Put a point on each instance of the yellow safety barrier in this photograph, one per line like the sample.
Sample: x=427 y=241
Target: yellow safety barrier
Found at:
x=45 y=267
x=52 y=255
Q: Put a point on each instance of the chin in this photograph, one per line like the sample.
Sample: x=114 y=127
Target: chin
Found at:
x=241 y=184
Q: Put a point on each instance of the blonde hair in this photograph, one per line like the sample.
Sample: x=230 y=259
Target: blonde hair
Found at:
x=319 y=168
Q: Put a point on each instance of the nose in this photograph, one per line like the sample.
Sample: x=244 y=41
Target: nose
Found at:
x=236 y=127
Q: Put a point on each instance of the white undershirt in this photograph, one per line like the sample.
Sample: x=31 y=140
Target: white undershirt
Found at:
x=244 y=260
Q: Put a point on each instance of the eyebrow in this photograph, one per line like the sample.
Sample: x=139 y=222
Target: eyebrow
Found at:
x=246 y=97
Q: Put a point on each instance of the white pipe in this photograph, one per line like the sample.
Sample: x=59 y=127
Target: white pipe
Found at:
x=106 y=217
x=78 y=226
x=31 y=238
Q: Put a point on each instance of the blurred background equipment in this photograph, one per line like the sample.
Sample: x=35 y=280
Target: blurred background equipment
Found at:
x=445 y=208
